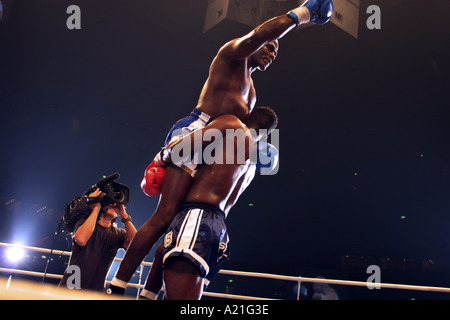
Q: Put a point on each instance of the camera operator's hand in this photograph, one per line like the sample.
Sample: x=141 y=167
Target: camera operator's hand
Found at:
x=126 y=220
x=95 y=194
x=120 y=210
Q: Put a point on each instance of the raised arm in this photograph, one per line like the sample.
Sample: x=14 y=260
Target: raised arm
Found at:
x=126 y=220
x=317 y=11
x=271 y=30
x=84 y=232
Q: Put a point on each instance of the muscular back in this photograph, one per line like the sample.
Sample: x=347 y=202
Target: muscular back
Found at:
x=221 y=184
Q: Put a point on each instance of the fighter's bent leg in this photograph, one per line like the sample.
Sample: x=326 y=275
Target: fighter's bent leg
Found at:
x=174 y=190
x=182 y=280
x=154 y=280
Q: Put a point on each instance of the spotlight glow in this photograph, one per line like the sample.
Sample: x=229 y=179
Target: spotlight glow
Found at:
x=15 y=254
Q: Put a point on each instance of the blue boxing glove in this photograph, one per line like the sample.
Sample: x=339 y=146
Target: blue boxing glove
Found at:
x=267 y=159
x=321 y=10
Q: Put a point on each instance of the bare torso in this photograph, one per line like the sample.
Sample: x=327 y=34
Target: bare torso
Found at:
x=228 y=90
x=221 y=185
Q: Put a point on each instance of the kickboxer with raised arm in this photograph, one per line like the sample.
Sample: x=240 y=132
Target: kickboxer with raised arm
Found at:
x=229 y=89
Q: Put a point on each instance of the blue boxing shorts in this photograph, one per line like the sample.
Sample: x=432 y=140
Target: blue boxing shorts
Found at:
x=197 y=119
x=199 y=234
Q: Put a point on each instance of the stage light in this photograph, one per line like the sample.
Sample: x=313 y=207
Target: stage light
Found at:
x=15 y=254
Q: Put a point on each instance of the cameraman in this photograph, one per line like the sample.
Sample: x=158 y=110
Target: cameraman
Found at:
x=96 y=242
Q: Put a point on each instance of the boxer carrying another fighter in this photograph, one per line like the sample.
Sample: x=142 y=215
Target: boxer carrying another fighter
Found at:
x=196 y=243
x=228 y=90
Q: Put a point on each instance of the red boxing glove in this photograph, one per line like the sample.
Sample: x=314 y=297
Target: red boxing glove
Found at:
x=153 y=178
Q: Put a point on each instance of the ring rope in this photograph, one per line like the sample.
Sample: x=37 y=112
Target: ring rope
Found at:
x=297 y=279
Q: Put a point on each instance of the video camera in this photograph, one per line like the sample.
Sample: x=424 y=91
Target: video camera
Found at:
x=112 y=192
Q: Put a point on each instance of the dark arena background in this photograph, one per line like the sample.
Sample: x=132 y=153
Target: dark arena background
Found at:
x=364 y=123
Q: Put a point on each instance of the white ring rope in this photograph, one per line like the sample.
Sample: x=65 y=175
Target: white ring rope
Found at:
x=297 y=279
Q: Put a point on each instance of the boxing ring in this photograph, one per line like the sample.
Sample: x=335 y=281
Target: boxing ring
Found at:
x=50 y=292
